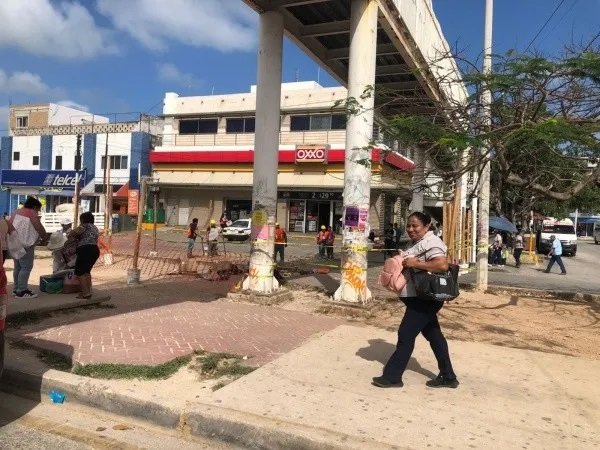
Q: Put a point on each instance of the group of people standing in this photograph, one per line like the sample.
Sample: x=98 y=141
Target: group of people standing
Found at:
x=499 y=250
x=75 y=248
x=212 y=237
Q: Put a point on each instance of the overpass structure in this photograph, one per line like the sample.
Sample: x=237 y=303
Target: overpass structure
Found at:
x=394 y=46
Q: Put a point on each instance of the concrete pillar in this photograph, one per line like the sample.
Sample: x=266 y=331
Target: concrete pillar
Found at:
x=357 y=168
x=418 y=181
x=266 y=150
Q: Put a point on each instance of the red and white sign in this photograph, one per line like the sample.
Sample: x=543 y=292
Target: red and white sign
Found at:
x=311 y=153
x=133 y=202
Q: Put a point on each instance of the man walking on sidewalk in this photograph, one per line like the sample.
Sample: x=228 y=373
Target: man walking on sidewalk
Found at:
x=280 y=243
x=555 y=255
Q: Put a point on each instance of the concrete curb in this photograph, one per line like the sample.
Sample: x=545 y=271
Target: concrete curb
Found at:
x=63 y=307
x=540 y=293
x=198 y=419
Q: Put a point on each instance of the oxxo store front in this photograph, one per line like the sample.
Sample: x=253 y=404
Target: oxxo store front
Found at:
x=307 y=211
x=203 y=183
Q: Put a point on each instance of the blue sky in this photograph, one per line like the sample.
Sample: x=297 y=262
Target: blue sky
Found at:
x=123 y=55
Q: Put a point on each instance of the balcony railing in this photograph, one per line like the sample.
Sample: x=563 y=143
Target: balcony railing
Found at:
x=285 y=138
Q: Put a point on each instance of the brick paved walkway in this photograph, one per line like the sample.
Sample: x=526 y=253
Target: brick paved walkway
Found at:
x=151 y=326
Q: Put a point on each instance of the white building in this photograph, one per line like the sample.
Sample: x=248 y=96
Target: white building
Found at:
x=39 y=157
x=204 y=164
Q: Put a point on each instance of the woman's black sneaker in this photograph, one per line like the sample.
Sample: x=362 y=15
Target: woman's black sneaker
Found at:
x=441 y=381
x=385 y=383
x=26 y=294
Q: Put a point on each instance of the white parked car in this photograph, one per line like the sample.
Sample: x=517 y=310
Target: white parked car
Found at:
x=239 y=230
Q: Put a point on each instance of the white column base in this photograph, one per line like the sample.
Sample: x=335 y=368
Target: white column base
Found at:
x=353 y=285
x=260 y=278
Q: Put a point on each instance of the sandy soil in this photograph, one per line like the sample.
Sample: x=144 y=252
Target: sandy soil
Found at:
x=553 y=326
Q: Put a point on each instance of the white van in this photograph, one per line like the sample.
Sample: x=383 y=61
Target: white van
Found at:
x=564 y=230
x=597 y=232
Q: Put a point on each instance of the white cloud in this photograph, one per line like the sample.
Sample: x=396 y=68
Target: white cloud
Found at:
x=22 y=83
x=225 y=25
x=27 y=87
x=75 y=105
x=169 y=73
x=64 y=30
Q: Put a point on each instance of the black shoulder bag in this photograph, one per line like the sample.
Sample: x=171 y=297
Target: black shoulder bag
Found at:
x=439 y=287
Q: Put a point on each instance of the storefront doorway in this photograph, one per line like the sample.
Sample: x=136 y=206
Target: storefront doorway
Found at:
x=317 y=213
x=307 y=211
x=238 y=209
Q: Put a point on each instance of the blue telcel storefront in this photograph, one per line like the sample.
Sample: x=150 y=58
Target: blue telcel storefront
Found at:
x=51 y=187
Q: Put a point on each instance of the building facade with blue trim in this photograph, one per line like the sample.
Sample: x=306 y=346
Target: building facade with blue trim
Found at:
x=52 y=149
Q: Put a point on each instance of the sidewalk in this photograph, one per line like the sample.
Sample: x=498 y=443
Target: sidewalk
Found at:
x=508 y=398
x=319 y=396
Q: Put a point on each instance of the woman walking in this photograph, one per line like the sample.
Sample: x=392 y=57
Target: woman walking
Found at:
x=426 y=252
x=87 y=252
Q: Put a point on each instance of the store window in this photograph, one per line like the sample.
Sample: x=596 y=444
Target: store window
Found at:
x=16 y=156
x=316 y=122
x=240 y=125
x=238 y=209
x=296 y=218
x=116 y=162
x=36 y=161
x=198 y=126
x=300 y=123
x=58 y=162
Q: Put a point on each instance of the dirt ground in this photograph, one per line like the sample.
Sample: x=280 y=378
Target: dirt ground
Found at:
x=546 y=325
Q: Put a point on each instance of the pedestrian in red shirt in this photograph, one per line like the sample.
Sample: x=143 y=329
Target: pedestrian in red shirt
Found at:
x=280 y=243
x=329 y=242
x=322 y=241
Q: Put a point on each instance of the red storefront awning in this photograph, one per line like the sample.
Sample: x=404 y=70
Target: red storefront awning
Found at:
x=247 y=157
x=123 y=191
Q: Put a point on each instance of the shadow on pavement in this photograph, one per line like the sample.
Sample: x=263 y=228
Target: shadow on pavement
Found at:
x=380 y=350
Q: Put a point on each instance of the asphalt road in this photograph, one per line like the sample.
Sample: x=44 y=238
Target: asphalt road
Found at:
x=25 y=424
x=582 y=269
x=582 y=273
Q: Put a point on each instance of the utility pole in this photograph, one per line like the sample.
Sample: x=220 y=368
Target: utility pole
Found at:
x=106 y=183
x=481 y=282
x=77 y=188
x=133 y=274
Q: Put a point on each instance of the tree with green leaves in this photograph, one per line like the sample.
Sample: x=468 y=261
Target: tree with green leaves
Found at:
x=544 y=137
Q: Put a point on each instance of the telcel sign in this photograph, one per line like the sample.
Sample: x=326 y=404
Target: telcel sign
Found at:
x=311 y=153
x=66 y=179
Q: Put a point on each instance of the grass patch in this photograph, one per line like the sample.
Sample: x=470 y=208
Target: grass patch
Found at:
x=130 y=371
x=216 y=365
x=22 y=319
x=51 y=359
x=55 y=360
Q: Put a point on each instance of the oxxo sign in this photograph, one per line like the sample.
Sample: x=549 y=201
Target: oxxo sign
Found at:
x=311 y=153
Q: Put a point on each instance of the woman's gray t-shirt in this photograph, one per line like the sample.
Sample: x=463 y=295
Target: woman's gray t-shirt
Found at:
x=427 y=248
x=89 y=235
